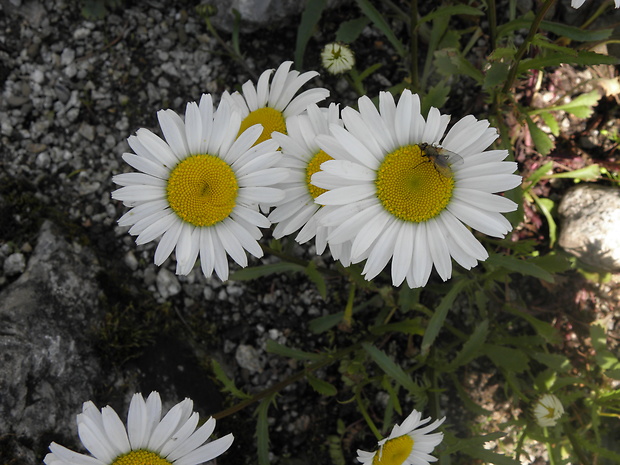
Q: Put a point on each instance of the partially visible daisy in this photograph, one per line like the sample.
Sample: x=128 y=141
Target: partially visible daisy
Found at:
x=303 y=157
x=200 y=188
x=390 y=197
x=548 y=410
x=147 y=439
x=337 y=58
x=271 y=104
x=578 y=3
x=407 y=444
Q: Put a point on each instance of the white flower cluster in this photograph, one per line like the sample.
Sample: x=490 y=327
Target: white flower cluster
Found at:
x=371 y=184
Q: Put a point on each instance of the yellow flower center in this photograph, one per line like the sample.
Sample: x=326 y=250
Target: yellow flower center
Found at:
x=271 y=119
x=411 y=187
x=550 y=412
x=314 y=166
x=140 y=457
x=202 y=190
x=394 y=452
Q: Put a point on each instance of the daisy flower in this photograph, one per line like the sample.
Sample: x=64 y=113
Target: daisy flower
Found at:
x=398 y=189
x=303 y=157
x=548 y=410
x=200 y=188
x=147 y=439
x=407 y=444
x=337 y=58
x=271 y=104
x=577 y=3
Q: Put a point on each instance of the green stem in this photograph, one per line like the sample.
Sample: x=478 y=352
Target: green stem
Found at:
x=492 y=15
x=348 y=310
x=328 y=360
x=512 y=74
x=297 y=261
x=415 y=78
x=600 y=10
x=550 y=448
x=369 y=422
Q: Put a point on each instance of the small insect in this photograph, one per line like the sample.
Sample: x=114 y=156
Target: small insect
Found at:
x=441 y=158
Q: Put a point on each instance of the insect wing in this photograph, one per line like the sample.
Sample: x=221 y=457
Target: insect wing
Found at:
x=450 y=158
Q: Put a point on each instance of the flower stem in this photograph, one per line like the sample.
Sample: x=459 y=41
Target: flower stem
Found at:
x=364 y=412
x=512 y=74
x=492 y=15
x=415 y=78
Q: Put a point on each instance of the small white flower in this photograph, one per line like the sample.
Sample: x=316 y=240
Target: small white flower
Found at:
x=408 y=444
x=394 y=193
x=173 y=440
x=271 y=104
x=548 y=410
x=337 y=58
x=578 y=3
x=200 y=188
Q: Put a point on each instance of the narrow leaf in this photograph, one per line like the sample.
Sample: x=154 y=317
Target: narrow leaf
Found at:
x=279 y=349
x=309 y=19
x=322 y=387
x=229 y=384
x=349 y=31
x=390 y=368
x=524 y=267
x=447 y=11
x=543 y=142
x=472 y=347
x=373 y=14
x=254 y=272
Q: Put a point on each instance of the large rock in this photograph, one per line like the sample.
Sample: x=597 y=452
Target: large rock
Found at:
x=47 y=363
x=590 y=225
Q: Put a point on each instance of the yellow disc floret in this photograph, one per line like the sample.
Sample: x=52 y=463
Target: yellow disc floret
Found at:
x=314 y=166
x=271 y=119
x=202 y=190
x=140 y=457
x=394 y=452
x=410 y=187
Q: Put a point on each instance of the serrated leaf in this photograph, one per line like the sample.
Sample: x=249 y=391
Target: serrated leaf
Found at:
x=279 y=349
x=543 y=42
x=550 y=121
x=437 y=96
x=375 y=16
x=322 y=387
x=349 y=31
x=576 y=33
x=513 y=360
x=502 y=52
x=439 y=315
x=336 y=454
x=495 y=75
x=254 y=272
x=472 y=347
x=262 y=430
x=589 y=173
x=309 y=20
x=390 y=368
x=229 y=384
x=524 y=267
x=543 y=142
x=559 y=363
x=583 y=58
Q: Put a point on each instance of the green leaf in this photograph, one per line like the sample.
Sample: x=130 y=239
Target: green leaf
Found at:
x=393 y=393
x=472 y=347
x=317 y=278
x=476 y=442
x=410 y=326
x=368 y=71
x=334 y=445
x=543 y=42
x=229 y=384
x=451 y=61
x=502 y=52
x=559 y=363
x=439 y=316
x=279 y=349
x=545 y=206
x=437 y=96
x=373 y=14
x=548 y=332
x=550 y=121
x=513 y=360
x=524 y=267
x=262 y=430
x=553 y=262
x=543 y=142
x=447 y=11
x=496 y=74
x=583 y=58
x=254 y=272
x=390 y=368
x=589 y=173
x=614 y=374
x=539 y=174
x=309 y=20
x=604 y=357
x=323 y=323
x=576 y=33
x=467 y=401
x=322 y=387
x=488 y=456
x=349 y=31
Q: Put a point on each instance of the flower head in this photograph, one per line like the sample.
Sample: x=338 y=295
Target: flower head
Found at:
x=398 y=189
x=200 y=188
x=548 y=410
x=408 y=444
x=337 y=58
x=577 y=3
x=303 y=157
x=271 y=104
x=148 y=438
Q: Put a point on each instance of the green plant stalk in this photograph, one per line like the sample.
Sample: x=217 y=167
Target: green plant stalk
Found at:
x=348 y=310
x=600 y=10
x=364 y=412
x=512 y=73
x=329 y=359
x=415 y=78
x=492 y=16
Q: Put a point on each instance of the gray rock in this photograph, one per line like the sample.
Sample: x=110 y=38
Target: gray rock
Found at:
x=14 y=264
x=167 y=283
x=247 y=357
x=590 y=225
x=48 y=365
